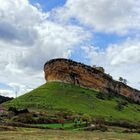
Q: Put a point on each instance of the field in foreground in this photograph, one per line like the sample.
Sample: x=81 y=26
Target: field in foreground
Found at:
x=37 y=134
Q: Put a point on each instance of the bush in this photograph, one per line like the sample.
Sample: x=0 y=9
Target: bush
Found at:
x=105 y=96
x=99 y=121
x=121 y=104
x=24 y=118
x=86 y=118
x=123 y=123
x=16 y=111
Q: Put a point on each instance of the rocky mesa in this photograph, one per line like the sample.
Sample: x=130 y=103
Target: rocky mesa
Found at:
x=69 y=71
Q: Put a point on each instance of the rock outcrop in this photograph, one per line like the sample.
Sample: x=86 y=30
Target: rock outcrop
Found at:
x=69 y=71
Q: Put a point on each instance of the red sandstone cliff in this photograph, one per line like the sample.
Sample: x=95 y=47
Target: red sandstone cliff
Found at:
x=72 y=72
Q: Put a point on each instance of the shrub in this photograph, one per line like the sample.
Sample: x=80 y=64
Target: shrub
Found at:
x=24 y=118
x=120 y=105
x=123 y=123
x=86 y=118
x=105 y=96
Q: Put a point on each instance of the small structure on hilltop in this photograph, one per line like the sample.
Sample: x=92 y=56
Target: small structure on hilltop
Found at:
x=99 y=68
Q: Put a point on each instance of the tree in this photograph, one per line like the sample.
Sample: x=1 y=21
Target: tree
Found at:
x=122 y=80
x=86 y=118
x=125 y=81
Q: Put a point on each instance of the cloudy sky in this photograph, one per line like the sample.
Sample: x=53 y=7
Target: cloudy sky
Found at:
x=104 y=33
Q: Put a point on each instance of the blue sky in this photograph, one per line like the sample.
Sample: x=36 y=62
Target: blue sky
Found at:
x=48 y=5
x=81 y=30
x=4 y=86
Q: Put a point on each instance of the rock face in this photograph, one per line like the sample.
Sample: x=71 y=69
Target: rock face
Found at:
x=69 y=71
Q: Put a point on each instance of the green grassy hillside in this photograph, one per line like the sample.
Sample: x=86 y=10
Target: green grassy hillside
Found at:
x=61 y=96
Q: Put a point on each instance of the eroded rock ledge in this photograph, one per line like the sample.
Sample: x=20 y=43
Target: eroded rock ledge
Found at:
x=66 y=70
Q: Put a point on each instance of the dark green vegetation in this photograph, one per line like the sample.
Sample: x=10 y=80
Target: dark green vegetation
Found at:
x=4 y=99
x=55 y=125
x=57 y=96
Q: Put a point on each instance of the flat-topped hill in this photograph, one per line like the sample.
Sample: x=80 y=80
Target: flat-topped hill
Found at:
x=69 y=71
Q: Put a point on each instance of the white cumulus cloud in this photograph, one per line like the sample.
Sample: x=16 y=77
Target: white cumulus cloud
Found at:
x=28 y=38
x=119 y=16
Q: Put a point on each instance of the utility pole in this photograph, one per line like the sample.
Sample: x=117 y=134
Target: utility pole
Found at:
x=16 y=93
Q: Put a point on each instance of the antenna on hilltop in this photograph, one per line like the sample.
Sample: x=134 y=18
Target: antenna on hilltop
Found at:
x=16 y=94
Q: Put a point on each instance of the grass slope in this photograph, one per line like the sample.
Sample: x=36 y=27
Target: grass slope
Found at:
x=62 y=96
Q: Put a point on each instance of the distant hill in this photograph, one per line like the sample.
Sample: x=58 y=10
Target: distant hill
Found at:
x=4 y=99
x=58 y=96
